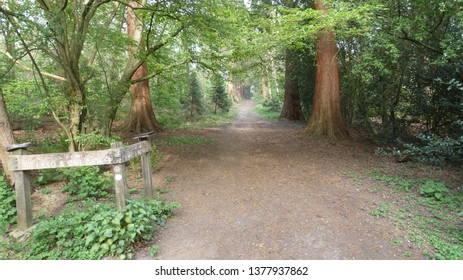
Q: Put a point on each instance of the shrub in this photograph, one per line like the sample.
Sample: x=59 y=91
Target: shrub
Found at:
x=273 y=104
x=98 y=230
x=434 y=149
x=86 y=182
x=7 y=206
x=95 y=140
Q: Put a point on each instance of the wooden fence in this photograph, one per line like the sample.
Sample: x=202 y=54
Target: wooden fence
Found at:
x=21 y=164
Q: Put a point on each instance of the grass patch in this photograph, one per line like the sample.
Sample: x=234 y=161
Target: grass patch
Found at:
x=185 y=140
x=426 y=210
x=266 y=113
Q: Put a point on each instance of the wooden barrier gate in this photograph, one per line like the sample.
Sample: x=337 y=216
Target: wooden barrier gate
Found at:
x=21 y=164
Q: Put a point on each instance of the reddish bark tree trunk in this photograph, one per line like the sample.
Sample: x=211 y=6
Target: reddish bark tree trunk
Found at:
x=326 y=118
x=141 y=117
x=291 y=109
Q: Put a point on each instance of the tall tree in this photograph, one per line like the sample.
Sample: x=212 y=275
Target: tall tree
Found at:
x=326 y=118
x=141 y=117
x=62 y=29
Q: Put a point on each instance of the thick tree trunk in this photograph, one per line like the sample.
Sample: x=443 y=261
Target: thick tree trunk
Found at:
x=291 y=109
x=141 y=117
x=326 y=118
x=6 y=138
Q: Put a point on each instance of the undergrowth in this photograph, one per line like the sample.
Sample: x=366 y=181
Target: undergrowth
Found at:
x=86 y=182
x=266 y=112
x=96 y=230
x=428 y=211
x=7 y=206
x=86 y=228
x=203 y=121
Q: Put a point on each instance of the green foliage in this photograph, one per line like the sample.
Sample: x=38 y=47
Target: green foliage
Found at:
x=397 y=181
x=47 y=176
x=434 y=149
x=44 y=191
x=97 y=230
x=272 y=104
x=196 y=97
x=7 y=206
x=154 y=250
x=185 y=140
x=169 y=179
x=86 y=183
x=95 y=140
x=382 y=210
x=156 y=156
x=429 y=214
x=266 y=112
x=433 y=189
x=219 y=96
x=45 y=145
x=210 y=120
x=23 y=104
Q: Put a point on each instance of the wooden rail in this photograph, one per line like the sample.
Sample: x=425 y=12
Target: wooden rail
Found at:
x=21 y=164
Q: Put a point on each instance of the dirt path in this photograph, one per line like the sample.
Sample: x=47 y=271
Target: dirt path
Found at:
x=264 y=190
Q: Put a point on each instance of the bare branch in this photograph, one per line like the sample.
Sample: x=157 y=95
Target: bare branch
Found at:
x=22 y=66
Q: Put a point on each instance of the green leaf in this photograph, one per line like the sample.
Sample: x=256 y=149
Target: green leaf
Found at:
x=108 y=233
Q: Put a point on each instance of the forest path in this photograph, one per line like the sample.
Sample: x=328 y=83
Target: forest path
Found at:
x=264 y=190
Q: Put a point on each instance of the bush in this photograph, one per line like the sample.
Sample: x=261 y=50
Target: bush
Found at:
x=95 y=140
x=86 y=182
x=7 y=206
x=434 y=149
x=273 y=104
x=98 y=230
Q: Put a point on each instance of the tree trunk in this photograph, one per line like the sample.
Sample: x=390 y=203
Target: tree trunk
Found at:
x=141 y=117
x=291 y=109
x=6 y=138
x=326 y=118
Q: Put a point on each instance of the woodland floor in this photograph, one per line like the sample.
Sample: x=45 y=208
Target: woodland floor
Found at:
x=265 y=190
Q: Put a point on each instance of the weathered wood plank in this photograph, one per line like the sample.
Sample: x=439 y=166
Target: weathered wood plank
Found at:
x=147 y=178
x=120 y=181
x=135 y=150
x=90 y=158
x=23 y=196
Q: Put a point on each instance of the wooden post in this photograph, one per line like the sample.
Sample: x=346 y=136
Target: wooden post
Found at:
x=146 y=172
x=120 y=181
x=146 y=165
x=23 y=195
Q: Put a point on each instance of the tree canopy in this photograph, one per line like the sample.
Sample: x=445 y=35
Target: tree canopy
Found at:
x=399 y=62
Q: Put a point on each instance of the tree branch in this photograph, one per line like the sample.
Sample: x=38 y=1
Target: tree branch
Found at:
x=162 y=44
x=416 y=42
x=152 y=75
x=24 y=67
